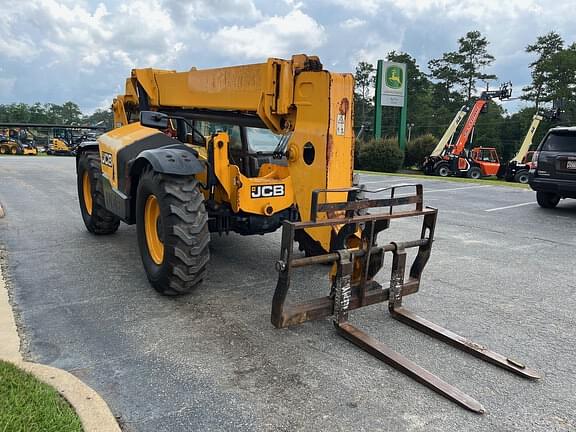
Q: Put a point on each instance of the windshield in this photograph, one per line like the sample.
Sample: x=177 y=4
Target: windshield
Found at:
x=262 y=140
x=560 y=141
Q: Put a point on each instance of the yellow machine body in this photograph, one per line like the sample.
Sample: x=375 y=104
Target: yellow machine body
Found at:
x=14 y=146
x=294 y=98
x=58 y=145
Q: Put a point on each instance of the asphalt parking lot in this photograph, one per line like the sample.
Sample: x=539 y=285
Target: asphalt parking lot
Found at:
x=502 y=272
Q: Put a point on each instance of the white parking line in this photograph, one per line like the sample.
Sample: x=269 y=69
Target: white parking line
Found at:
x=455 y=189
x=510 y=206
x=427 y=191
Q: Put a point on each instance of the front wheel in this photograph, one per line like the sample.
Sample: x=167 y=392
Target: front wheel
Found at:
x=172 y=228
x=547 y=199
x=521 y=177
x=442 y=170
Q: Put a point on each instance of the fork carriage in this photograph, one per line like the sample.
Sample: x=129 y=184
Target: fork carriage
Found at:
x=353 y=285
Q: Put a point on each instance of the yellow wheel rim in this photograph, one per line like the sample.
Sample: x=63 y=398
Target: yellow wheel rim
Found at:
x=13 y=150
x=151 y=219
x=87 y=192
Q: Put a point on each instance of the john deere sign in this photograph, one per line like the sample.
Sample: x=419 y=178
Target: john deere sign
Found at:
x=394 y=84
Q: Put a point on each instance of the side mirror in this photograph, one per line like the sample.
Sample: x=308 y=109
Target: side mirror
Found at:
x=153 y=119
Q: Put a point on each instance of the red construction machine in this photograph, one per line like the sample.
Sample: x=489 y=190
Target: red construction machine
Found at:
x=478 y=162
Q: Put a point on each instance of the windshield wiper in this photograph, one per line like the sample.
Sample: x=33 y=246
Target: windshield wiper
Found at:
x=280 y=150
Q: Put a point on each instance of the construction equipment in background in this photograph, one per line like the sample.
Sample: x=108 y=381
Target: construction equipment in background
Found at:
x=429 y=166
x=518 y=167
x=60 y=139
x=17 y=141
x=251 y=149
x=65 y=141
x=454 y=159
x=59 y=146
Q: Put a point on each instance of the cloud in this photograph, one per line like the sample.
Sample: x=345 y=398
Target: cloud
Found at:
x=83 y=50
x=272 y=37
x=213 y=10
x=352 y=23
x=7 y=85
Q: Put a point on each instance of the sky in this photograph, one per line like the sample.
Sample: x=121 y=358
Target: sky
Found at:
x=52 y=51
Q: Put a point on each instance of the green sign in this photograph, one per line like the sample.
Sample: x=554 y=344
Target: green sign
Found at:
x=394 y=77
x=393 y=84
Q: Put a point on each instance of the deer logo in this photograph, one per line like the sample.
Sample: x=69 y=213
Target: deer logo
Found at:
x=394 y=77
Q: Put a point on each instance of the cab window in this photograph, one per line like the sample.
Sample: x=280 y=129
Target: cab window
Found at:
x=209 y=128
x=261 y=140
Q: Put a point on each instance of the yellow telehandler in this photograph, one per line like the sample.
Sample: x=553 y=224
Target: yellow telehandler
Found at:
x=252 y=149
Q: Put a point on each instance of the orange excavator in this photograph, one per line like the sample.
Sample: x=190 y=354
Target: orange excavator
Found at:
x=454 y=159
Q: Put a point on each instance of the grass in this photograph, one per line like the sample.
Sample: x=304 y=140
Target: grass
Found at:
x=28 y=405
x=493 y=181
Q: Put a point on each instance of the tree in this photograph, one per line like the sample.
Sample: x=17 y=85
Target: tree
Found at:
x=447 y=72
x=545 y=47
x=364 y=80
x=560 y=71
x=71 y=113
x=473 y=58
x=103 y=118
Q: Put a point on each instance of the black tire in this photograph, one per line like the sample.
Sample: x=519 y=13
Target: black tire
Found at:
x=98 y=220
x=182 y=228
x=521 y=177
x=442 y=170
x=3 y=149
x=547 y=199
x=474 y=173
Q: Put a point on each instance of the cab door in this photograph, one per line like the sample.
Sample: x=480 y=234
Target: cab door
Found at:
x=487 y=159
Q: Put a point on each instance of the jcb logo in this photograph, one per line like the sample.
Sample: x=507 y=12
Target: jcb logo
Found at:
x=106 y=159
x=267 y=191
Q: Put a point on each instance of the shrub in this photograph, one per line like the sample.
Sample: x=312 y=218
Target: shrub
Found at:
x=382 y=155
x=418 y=148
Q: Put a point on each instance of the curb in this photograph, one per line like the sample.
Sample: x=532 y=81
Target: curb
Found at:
x=94 y=413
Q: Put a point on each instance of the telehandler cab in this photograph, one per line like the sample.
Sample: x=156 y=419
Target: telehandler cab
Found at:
x=251 y=149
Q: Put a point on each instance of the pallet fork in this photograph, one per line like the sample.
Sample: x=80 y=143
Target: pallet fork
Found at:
x=353 y=284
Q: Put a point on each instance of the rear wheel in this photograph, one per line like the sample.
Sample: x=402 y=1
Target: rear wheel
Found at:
x=97 y=219
x=3 y=150
x=547 y=199
x=521 y=177
x=172 y=227
x=475 y=173
x=442 y=170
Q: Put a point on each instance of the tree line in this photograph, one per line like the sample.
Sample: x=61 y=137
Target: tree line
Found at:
x=456 y=76
x=68 y=113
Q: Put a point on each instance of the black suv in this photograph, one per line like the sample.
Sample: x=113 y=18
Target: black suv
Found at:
x=553 y=171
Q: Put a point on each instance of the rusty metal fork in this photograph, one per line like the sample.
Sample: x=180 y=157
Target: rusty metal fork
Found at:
x=396 y=360
x=342 y=289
